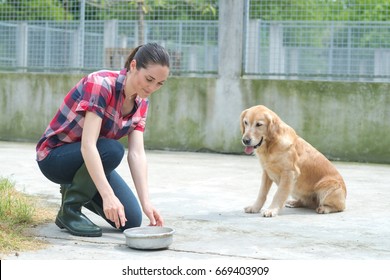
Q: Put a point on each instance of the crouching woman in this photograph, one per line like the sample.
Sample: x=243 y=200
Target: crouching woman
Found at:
x=80 y=150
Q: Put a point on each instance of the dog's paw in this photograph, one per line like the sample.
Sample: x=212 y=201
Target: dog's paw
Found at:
x=269 y=212
x=293 y=204
x=323 y=210
x=252 y=209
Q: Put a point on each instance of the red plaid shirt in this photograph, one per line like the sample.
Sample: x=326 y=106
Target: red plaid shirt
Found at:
x=102 y=93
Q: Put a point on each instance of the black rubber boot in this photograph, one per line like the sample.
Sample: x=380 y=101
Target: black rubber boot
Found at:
x=74 y=196
x=95 y=208
x=63 y=188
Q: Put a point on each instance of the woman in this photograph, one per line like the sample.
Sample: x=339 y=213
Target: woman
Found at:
x=79 y=149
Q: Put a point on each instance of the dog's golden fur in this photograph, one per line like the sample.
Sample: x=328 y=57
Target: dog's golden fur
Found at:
x=296 y=167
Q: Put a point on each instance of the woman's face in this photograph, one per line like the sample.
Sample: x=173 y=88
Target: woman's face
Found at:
x=144 y=82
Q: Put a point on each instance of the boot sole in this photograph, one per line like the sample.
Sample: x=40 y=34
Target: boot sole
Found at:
x=62 y=226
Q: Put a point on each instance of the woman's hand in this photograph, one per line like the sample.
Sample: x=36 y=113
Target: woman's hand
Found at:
x=114 y=211
x=154 y=216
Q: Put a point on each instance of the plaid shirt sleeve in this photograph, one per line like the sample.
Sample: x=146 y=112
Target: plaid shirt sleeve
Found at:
x=96 y=93
x=141 y=115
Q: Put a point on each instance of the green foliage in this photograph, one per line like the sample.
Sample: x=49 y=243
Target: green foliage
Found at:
x=153 y=10
x=298 y=10
x=182 y=10
x=18 y=213
x=309 y=19
x=14 y=208
x=32 y=10
x=103 y=10
x=321 y=10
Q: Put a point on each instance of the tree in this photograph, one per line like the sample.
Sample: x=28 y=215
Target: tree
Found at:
x=321 y=10
x=146 y=9
x=32 y=10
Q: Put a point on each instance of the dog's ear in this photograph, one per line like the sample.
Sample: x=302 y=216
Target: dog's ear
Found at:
x=242 y=121
x=273 y=126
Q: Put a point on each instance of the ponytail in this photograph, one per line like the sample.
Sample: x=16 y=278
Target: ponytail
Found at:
x=131 y=57
x=145 y=55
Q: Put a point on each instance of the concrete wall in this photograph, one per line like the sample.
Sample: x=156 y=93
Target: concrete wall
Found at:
x=346 y=121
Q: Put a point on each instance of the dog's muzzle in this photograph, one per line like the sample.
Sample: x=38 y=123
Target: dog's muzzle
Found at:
x=249 y=149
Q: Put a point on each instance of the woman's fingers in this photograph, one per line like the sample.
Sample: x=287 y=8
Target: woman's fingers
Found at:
x=117 y=216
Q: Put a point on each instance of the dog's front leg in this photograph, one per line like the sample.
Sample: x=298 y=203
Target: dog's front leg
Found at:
x=266 y=183
x=285 y=187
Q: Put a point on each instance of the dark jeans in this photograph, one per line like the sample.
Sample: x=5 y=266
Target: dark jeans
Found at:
x=62 y=163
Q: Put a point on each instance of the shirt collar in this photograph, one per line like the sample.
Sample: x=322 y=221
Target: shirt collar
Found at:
x=120 y=82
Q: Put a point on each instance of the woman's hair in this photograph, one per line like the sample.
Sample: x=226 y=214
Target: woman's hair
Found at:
x=148 y=54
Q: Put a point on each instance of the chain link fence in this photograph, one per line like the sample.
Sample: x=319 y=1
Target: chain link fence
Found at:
x=70 y=35
x=306 y=39
x=284 y=39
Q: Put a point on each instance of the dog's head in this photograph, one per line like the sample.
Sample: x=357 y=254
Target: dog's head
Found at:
x=258 y=125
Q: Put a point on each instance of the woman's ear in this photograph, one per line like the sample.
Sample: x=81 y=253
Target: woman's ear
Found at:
x=133 y=65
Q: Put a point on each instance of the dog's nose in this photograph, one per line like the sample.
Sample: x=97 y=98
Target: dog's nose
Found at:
x=246 y=141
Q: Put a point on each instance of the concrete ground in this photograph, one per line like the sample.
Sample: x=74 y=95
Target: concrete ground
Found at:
x=202 y=197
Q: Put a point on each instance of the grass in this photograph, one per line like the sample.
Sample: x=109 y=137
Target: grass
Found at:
x=19 y=214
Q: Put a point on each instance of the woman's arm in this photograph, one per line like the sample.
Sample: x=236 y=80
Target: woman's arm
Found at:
x=112 y=207
x=138 y=167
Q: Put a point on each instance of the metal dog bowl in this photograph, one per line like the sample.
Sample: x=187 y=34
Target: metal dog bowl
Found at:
x=149 y=238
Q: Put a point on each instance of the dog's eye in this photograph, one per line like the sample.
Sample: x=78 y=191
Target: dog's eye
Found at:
x=245 y=122
x=258 y=124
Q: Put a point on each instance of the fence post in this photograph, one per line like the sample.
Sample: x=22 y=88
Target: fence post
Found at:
x=22 y=46
x=276 y=50
x=253 y=46
x=230 y=37
x=82 y=35
x=228 y=97
x=110 y=38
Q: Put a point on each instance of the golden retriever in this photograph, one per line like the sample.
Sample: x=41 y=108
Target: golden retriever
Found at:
x=296 y=167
